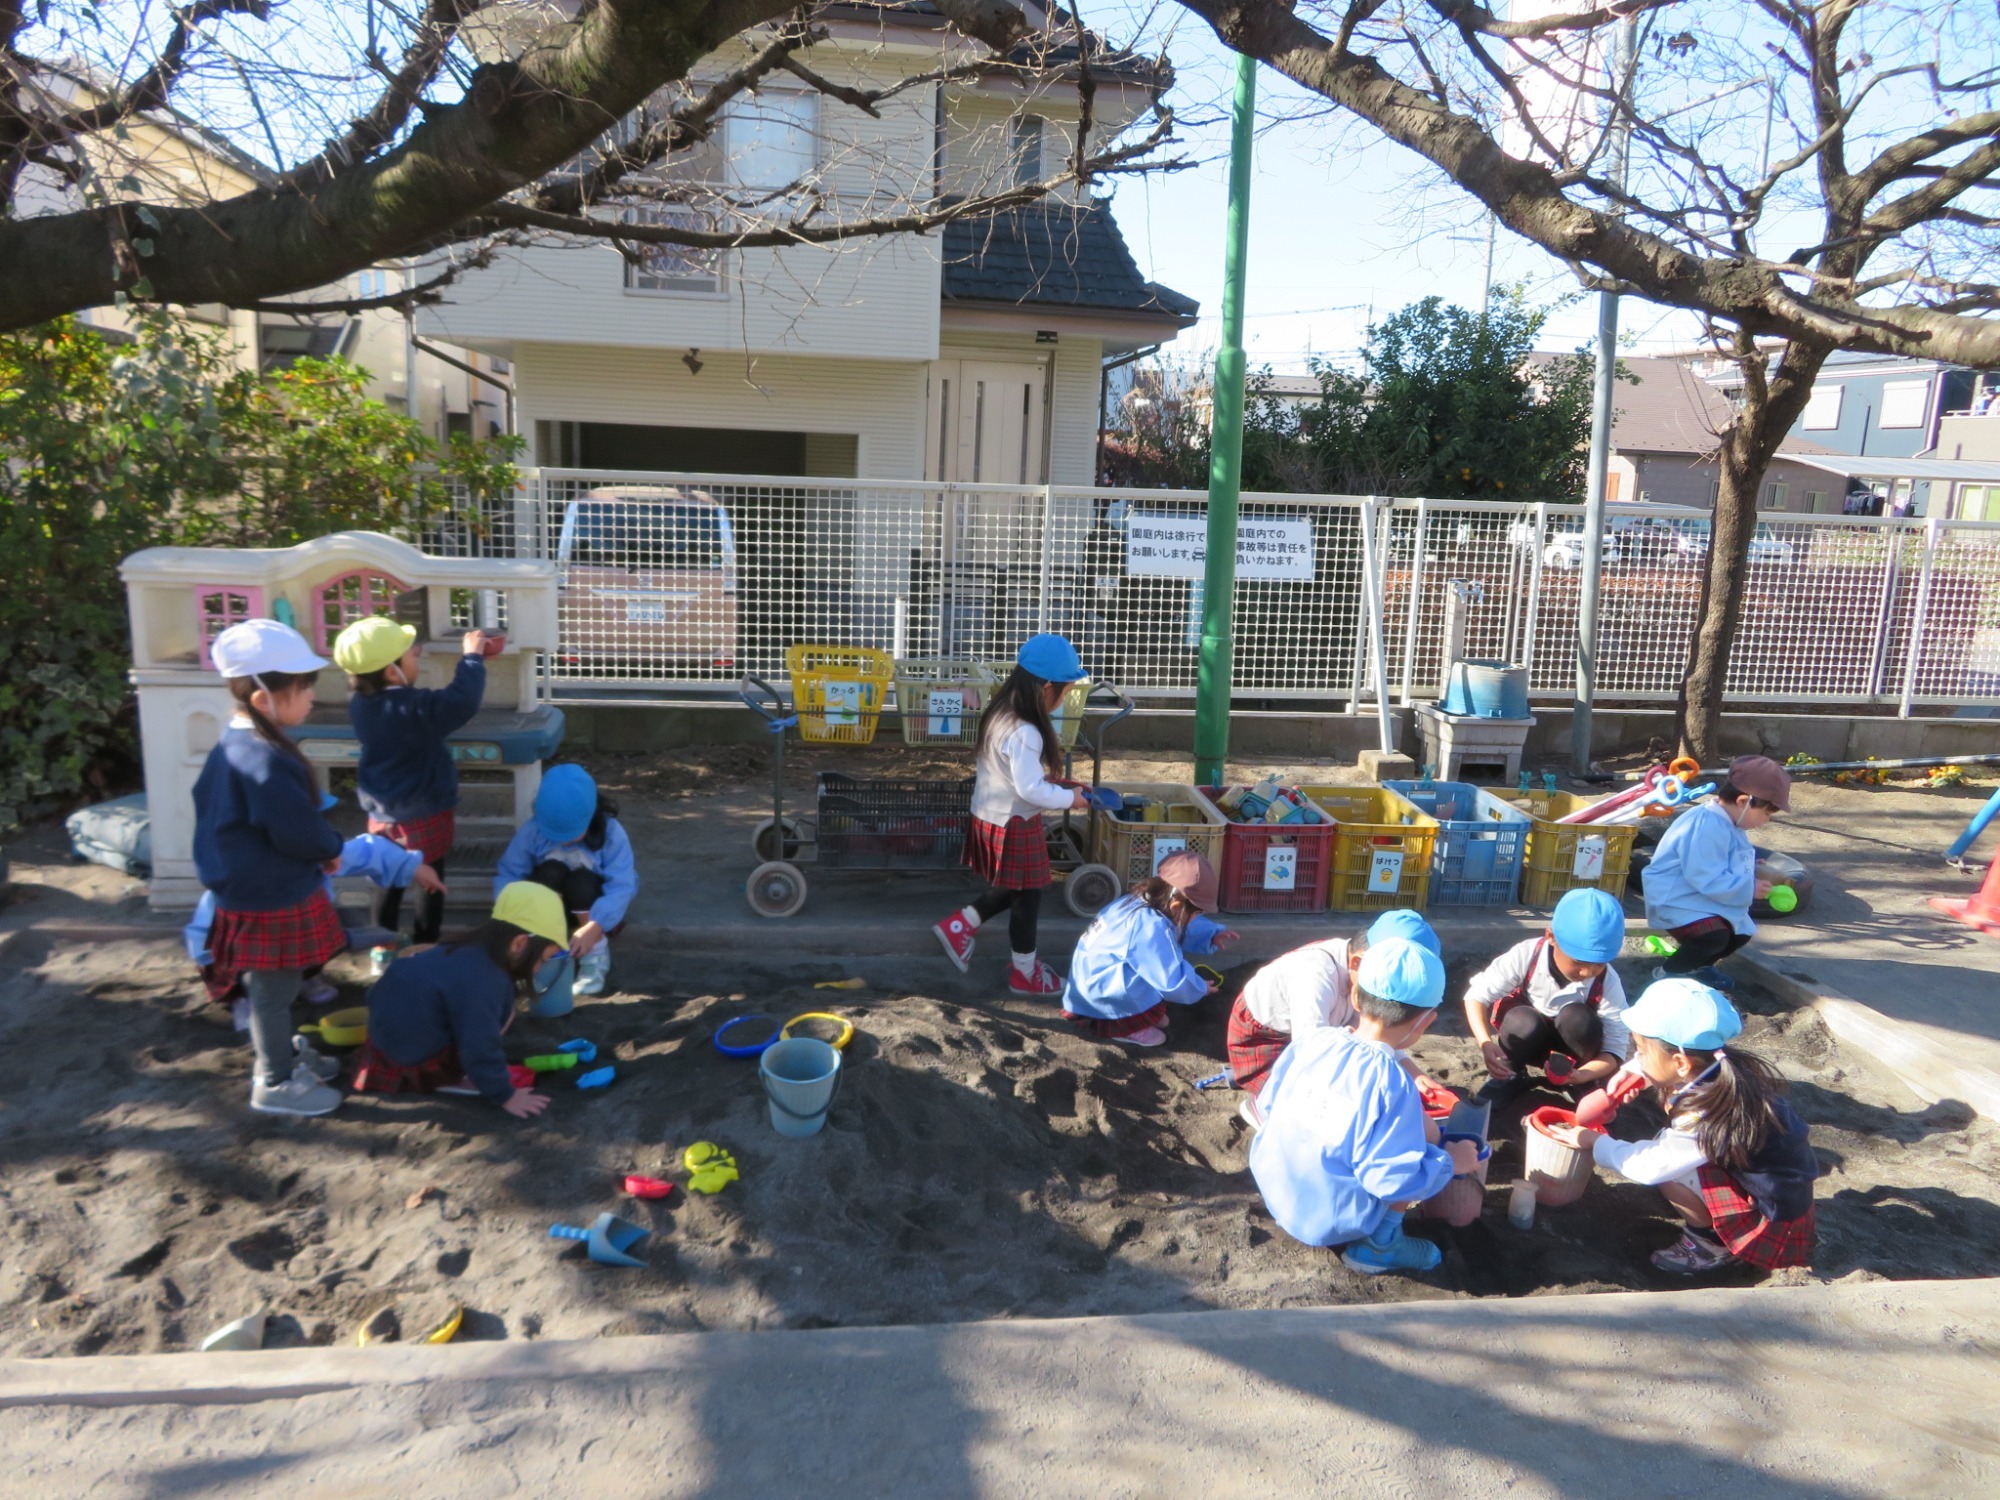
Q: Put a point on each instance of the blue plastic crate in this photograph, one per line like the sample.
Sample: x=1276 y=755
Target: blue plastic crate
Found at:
x=1482 y=842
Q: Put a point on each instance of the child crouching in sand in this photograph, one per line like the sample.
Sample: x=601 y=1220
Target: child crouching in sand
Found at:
x=1131 y=964
x=1345 y=1150
x=1554 y=995
x=1734 y=1161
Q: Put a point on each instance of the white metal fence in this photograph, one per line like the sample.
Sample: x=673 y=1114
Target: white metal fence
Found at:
x=673 y=585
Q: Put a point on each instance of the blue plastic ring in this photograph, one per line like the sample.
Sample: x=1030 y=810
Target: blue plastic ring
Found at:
x=752 y=1049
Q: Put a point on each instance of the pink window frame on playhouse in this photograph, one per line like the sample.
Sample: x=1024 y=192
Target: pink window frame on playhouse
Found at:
x=333 y=612
x=211 y=622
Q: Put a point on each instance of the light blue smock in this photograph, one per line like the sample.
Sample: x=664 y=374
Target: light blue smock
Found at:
x=1127 y=962
x=1704 y=867
x=1342 y=1139
x=613 y=863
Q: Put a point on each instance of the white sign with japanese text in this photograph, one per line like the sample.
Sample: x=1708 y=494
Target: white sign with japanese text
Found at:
x=1281 y=867
x=1269 y=549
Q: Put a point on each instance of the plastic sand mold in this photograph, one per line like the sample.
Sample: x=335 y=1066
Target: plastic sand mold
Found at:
x=597 y=1078
x=842 y=984
x=838 y=1043
x=585 y=1051
x=551 y=1062
x=446 y=1331
x=746 y=1047
x=520 y=1077
x=647 y=1187
x=710 y=1168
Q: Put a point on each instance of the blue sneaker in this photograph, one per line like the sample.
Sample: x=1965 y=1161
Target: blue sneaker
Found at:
x=1389 y=1249
x=593 y=969
x=1707 y=974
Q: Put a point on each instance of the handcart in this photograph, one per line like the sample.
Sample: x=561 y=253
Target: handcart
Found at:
x=898 y=823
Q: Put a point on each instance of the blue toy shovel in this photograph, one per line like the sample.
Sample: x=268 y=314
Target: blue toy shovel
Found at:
x=607 y=1240
x=1104 y=798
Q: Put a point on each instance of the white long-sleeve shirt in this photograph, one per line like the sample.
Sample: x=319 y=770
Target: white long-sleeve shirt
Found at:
x=1548 y=992
x=1671 y=1155
x=1304 y=990
x=1009 y=781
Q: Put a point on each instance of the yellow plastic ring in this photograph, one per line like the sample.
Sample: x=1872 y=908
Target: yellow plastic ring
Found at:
x=838 y=1043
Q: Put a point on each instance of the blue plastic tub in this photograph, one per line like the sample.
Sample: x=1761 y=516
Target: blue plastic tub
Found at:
x=1481 y=846
x=1487 y=690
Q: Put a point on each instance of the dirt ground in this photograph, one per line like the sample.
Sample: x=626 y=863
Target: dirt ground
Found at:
x=982 y=1160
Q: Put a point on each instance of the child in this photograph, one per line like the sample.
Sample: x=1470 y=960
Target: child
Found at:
x=1555 y=994
x=1734 y=1160
x=1129 y=964
x=1345 y=1149
x=1305 y=990
x=1703 y=876
x=575 y=846
x=435 y=1018
x=262 y=846
x=407 y=782
x=1018 y=756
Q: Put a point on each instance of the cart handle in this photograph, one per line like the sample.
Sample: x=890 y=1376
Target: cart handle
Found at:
x=775 y=716
x=1094 y=734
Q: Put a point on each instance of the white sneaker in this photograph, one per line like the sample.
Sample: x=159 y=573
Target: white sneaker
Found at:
x=301 y=1094
x=239 y=1012
x=324 y=1069
x=592 y=970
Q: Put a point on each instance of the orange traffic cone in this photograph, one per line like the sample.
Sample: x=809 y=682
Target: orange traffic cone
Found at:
x=1981 y=911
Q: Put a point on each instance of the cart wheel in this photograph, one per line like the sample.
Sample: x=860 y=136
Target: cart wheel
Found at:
x=1090 y=888
x=764 y=842
x=776 y=889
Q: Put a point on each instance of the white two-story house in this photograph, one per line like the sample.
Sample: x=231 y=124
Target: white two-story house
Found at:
x=973 y=353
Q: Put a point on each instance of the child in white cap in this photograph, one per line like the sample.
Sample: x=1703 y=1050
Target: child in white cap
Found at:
x=1703 y=876
x=1345 y=1149
x=1131 y=963
x=1734 y=1161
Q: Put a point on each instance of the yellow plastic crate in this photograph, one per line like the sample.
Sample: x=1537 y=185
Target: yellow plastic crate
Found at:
x=1134 y=850
x=940 y=698
x=1379 y=838
x=838 y=691
x=1556 y=851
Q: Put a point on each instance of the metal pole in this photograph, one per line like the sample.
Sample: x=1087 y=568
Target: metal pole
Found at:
x=1225 y=470
x=1600 y=448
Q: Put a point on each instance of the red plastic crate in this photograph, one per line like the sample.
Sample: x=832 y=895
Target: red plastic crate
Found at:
x=1244 y=847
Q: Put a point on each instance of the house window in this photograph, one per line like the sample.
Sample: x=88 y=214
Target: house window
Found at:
x=1816 y=502
x=1026 y=148
x=1904 y=403
x=671 y=268
x=773 y=140
x=373 y=282
x=217 y=606
x=1776 y=493
x=350 y=597
x=1822 y=409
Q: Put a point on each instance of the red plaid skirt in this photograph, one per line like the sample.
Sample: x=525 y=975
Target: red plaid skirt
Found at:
x=1699 y=927
x=1123 y=1026
x=432 y=837
x=1254 y=1048
x=1748 y=1235
x=299 y=937
x=1014 y=858
x=375 y=1072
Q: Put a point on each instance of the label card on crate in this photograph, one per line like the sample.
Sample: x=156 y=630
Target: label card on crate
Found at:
x=843 y=704
x=1166 y=849
x=947 y=708
x=1281 y=867
x=1589 y=858
x=1385 y=872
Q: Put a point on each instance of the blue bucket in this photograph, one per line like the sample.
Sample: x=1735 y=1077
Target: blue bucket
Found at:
x=800 y=1076
x=1487 y=690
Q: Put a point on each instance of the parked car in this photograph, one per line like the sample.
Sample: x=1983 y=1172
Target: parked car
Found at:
x=1565 y=550
x=648 y=580
x=1766 y=546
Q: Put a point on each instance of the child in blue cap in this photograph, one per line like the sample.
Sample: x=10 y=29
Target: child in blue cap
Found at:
x=576 y=847
x=1734 y=1161
x=1018 y=761
x=1345 y=1150
x=1554 y=996
x=1305 y=990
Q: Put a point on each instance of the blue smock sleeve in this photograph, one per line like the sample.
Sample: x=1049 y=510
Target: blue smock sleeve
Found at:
x=517 y=860
x=1199 y=940
x=1719 y=862
x=1156 y=958
x=1392 y=1160
x=620 y=874
x=195 y=934
x=380 y=860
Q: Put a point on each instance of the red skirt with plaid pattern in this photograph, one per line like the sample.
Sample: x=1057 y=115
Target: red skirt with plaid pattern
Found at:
x=1013 y=858
x=432 y=837
x=376 y=1072
x=1123 y=1026
x=1746 y=1233
x=1254 y=1048
x=298 y=937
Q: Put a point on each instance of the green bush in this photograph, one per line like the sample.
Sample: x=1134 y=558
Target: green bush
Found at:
x=109 y=448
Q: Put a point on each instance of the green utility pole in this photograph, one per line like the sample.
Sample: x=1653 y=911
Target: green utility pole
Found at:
x=1225 y=466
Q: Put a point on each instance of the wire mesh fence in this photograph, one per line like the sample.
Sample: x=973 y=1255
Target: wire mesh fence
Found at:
x=673 y=585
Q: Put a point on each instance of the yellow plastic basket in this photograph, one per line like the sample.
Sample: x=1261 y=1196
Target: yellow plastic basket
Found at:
x=838 y=691
x=1557 y=851
x=939 y=698
x=1382 y=847
x=1185 y=821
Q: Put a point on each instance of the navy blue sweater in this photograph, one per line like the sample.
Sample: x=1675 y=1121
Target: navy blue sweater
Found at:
x=406 y=770
x=445 y=997
x=260 y=839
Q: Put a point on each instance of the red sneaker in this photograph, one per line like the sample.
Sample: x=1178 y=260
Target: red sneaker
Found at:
x=957 y=939
x=1043 y=981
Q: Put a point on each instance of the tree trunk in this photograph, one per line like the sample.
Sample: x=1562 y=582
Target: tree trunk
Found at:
x=1769 y=407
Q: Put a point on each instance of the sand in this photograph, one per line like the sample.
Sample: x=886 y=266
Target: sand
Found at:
x=983 y=1161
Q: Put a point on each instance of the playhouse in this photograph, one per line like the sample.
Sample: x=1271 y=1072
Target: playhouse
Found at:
x=181 y=598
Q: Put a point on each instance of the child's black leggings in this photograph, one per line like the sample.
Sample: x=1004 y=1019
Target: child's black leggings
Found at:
x=430 y=910
x=1528 y=1037
x=1701 y=944
x=1023 y=908
x=580 y=889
